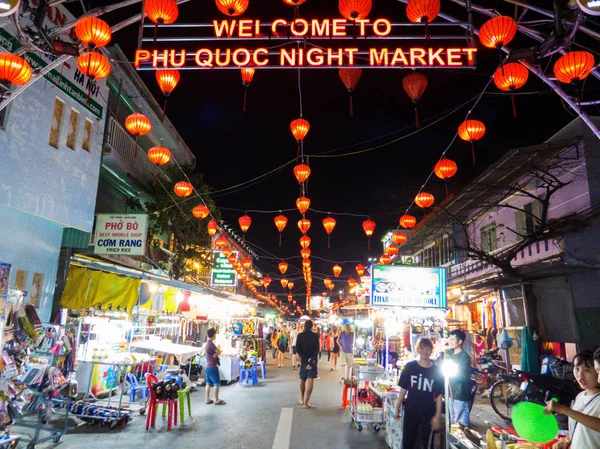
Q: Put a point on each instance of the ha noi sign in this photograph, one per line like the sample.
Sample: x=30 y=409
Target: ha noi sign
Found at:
x=299 y=44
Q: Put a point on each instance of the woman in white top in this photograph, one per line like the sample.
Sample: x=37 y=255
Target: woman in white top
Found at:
x=584 y=414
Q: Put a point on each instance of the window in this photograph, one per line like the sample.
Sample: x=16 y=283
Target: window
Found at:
x=73 y=127
x=528 y=220
x=87 y=134
x=4 y=117
x=488 y=238
x=57 y=117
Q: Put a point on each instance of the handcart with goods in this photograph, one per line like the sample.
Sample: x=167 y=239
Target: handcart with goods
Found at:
x=96 y=414
x=364 y=407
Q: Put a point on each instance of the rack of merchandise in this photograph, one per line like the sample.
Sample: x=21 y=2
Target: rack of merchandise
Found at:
x=362 y=410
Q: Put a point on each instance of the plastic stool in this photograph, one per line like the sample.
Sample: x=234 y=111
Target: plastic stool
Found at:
x=248 y=374
x=345 y=400
x=263 y=369
x=181 y=395
x=153 y=405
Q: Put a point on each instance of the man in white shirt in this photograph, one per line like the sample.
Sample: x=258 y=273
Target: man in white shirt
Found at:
x=294 y=335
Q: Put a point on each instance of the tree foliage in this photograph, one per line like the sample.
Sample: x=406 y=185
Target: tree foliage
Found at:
x=170 y=217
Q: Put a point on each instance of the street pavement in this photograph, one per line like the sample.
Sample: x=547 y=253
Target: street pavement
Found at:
x=251 y=419
x=266 y=416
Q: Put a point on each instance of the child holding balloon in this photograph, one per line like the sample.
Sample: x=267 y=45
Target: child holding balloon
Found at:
x=584 y=414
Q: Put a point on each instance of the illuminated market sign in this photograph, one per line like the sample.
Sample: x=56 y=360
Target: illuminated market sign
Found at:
x=223 y=273
x=306 y=54
x=402 y=286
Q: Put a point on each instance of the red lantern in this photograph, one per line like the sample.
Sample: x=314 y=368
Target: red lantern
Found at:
x=290 y=285
x=445 y=169
x=167 y=81
x=408 y=221
x=232 y=259
x=245 y=221
x=139 y=125
x=14 y=69
x=293 y=2
x=220 y=242
x=497 y=32
x=93 y=65
x=200 y=212
x=305 y=253
x=247 y=263
x=306 y=263
x=284 y=282
x=283 y=266
x=392 y=250
x=247 y=75
x=327 y=281
x=302 y=204
x=305 y=241
x=301 y=172
x=183 y=189
x=573 y=66
x=351 y=283
x=304 y=225
x=385 y=259
x=337 y=270
x=350 y=78
x=423 y=11
x=398 y=238
x=355 y=9
x=232 y=8
x=424 y=200
x=93 y=32
x=212 y=227
x=414 y=85
x=369 y=228
x=510 y=77
x=360 y=269
x=280 y=223
x=329 y=224
x=471 y=131
x=299 y=128
x=159 y=156
x=226 y=251
x=331 y=286
x=161 y=12
x=290 y=297
x=266 y=281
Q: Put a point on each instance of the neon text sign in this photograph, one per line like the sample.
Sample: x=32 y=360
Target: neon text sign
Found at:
x=301 y=52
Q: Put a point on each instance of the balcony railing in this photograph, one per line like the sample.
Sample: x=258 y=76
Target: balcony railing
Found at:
x=119 y=150
x=471 y=269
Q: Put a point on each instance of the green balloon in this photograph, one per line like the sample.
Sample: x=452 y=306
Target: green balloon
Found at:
x=532 y=424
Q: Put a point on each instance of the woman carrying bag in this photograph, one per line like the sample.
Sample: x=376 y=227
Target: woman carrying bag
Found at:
x=282 y=346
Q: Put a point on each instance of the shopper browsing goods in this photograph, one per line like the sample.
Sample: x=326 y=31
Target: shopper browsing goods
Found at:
x=212 y=368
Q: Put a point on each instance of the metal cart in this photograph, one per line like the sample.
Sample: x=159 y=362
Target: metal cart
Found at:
x=364 y=372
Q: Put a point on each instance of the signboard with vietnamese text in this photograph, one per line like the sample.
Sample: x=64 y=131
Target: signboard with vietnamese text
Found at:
x=88 y=93
x=402 y=286
x=365 y=43
x=121 y=234
x=222 y=274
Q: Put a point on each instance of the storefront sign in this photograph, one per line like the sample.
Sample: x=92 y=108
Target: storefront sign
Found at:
x=222 y=274
x=350 y=54
x=66 y=77
x=402 y=286
x=121 y=234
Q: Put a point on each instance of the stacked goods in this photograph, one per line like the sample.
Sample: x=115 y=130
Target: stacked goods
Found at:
x=167 y=389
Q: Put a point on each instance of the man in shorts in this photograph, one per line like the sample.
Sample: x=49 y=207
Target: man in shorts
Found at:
x=346 y=343
x=307 y=347
x=212 y=368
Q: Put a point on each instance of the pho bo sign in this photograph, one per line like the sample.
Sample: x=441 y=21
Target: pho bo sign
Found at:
x=402 y=286
x=121 y=234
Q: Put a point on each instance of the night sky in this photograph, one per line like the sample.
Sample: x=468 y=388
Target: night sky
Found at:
x=232 y=147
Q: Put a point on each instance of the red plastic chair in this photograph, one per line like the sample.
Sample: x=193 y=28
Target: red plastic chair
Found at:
x=171 y=405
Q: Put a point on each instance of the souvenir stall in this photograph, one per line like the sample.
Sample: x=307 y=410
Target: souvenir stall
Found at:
x=407 y=303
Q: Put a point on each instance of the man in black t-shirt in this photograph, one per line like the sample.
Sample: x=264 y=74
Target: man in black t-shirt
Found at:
x=307 y=347
x=424 y=384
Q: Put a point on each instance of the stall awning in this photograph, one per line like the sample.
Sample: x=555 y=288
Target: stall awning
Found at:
x=92 y=288
x=183 y=352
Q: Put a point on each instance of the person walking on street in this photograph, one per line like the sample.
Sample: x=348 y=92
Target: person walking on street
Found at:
x=294 y=336
x=424 y=384
x=307 y=346
x=346 y=343
x=282 y=346
x=274 y=337
x=328 y=345
x=212 y=368
x=460 y=385
x=335 y=349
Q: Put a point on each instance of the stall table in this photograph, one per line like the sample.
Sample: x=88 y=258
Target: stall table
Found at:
x=229 y=369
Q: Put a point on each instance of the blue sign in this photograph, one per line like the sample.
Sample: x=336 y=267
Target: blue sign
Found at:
x=402 y=286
